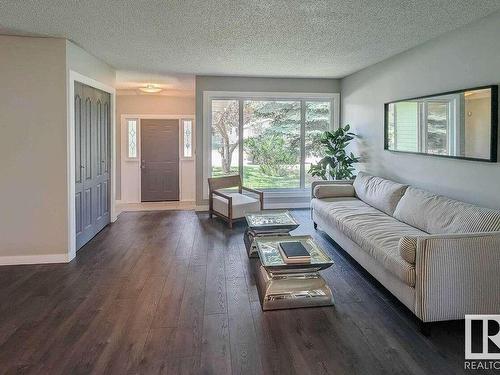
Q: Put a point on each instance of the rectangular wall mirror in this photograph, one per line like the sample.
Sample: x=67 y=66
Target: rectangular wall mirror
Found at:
x=458 y=124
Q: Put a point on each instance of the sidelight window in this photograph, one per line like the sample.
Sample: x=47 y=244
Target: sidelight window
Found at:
x=132 y=138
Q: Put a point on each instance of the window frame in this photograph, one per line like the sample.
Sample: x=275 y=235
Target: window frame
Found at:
x=209 y=96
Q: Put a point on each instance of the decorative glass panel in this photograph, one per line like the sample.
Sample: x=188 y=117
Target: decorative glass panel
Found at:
x=187 y=129
x=132 y=138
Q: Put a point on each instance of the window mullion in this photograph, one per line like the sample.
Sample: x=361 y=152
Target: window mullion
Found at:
x=302 y=143
x=240 y=138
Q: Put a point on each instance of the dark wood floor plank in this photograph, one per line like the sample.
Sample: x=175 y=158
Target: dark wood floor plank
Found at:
x=215 y=294
x=189 y=331
x=216 y=352
x=156 y=356
x=125 y=355
x=245 y=357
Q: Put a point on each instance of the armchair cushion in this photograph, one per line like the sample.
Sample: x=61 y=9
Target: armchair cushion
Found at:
x=242 y=204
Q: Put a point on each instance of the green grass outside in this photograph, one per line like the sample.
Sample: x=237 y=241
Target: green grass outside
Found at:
x=254 y=178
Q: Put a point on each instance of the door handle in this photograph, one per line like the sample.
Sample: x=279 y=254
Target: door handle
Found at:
x=143 y=164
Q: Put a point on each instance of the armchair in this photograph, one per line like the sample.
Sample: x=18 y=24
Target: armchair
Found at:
x=231 y=206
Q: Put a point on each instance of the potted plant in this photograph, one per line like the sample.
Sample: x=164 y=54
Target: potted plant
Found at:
x=336 y=164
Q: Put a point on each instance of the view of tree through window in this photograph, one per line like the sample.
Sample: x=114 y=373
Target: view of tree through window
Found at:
x=437 y=128
x=318 y=120
x=271 y=146
x=225 y=124
x=271 y=151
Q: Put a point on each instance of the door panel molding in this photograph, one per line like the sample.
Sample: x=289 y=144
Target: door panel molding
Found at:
x=160 y=166
x=71 y=157
x=90 y=212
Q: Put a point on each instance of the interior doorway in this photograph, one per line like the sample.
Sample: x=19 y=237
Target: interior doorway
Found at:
x=159 y=160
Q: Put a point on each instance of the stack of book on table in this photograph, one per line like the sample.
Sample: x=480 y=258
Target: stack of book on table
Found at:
x=293 y=252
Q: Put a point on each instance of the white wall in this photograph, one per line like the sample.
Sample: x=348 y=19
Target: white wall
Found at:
x=150 y=105
x=477 y=127
x=33 y=200
x=248 y=84
x=464 y=58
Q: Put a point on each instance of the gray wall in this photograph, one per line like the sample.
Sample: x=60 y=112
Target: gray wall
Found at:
x=249 y=84
x=467 y=57
x=33 y=143
x=33 y=191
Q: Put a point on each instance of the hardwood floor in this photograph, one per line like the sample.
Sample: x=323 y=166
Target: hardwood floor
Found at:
x=173 y=292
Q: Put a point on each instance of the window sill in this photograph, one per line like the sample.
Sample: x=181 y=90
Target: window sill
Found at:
x=286 y=193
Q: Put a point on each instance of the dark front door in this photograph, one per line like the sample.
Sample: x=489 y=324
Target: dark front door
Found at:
x=92 y=162
x=159 y=160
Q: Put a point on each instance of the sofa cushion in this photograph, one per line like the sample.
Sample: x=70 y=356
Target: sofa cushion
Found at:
x=333 y=190
x=408 y=248
x=436 y=214
x=242 y=204
x=375 y=232
x=378 y=192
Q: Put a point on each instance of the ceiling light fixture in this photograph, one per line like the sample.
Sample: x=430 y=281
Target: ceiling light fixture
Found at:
x=151 y=89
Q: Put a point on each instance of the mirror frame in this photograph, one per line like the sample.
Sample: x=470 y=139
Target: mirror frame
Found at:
x=494 y=124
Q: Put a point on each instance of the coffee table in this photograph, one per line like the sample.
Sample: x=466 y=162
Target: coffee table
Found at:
x=264 y=224
x=286 y=286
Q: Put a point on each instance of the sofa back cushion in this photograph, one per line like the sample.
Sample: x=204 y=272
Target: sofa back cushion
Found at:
x=436 y=214
x=380 y=193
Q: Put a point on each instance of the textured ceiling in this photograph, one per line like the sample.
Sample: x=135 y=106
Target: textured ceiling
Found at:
x=292 y=38
x=127 y=83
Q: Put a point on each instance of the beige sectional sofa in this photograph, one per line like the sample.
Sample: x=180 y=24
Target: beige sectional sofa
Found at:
x=438 y=256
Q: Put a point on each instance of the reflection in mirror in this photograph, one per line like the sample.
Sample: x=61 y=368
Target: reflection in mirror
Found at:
x=459 y=124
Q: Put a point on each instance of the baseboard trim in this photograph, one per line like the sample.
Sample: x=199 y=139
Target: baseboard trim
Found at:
x=33 y=259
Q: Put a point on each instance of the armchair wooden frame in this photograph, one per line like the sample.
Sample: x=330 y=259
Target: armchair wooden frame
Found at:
x=216 y=183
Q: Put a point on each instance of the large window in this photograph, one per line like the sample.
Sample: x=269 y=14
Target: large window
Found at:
x=270 y=141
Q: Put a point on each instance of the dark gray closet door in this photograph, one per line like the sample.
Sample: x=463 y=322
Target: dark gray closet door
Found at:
x=159 y=160
x=92 y=162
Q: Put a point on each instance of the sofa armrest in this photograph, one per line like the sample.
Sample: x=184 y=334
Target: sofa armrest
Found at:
x=330 y=183
x=457 y=274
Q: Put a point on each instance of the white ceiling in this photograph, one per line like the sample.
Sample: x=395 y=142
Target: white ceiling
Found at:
x=289 y=38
